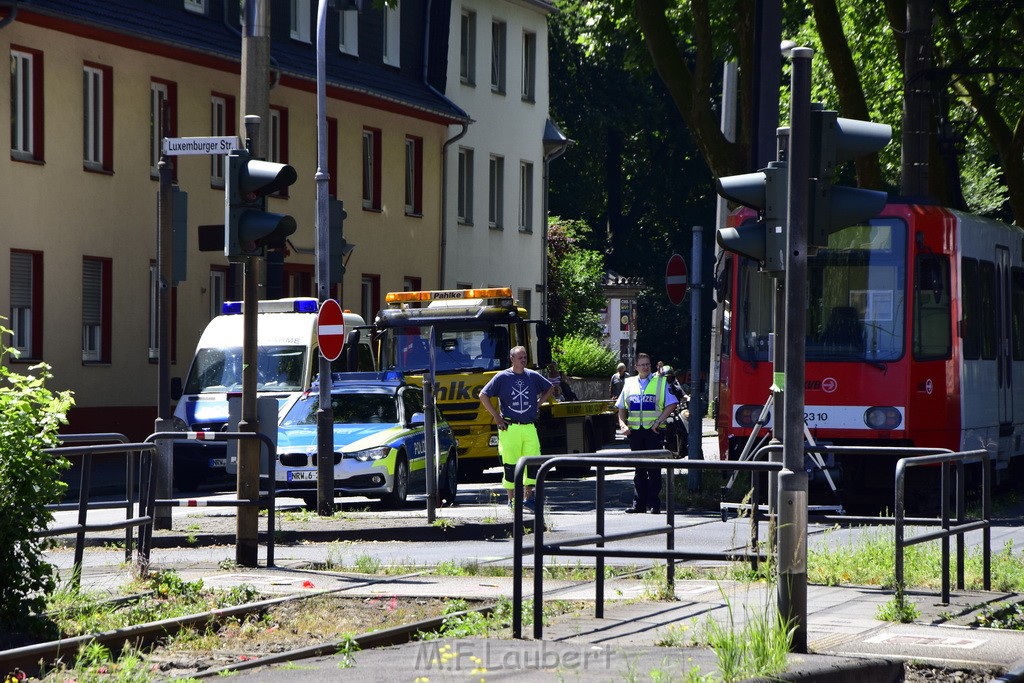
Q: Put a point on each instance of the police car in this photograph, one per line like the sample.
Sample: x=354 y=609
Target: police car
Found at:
x=379 y=441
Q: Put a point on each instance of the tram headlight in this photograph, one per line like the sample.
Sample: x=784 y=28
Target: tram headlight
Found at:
x=882 y=417
x=746 y=416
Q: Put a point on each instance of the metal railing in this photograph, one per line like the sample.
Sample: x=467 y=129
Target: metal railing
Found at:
x=84 y=504
x=917 y=457
x=147 y=501
x=948 y=528
x=595 y=544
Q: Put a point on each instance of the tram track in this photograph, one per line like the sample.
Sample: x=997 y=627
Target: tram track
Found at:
x=28 y=658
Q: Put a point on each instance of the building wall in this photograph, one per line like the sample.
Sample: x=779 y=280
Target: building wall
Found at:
x=64 y=212
x=507 y=126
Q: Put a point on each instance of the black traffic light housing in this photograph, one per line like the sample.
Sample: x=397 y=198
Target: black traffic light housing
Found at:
x=248 y=227
x=833 y=141
x=763 y=240
x=339 y=247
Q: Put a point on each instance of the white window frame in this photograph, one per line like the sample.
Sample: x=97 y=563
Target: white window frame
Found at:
x=218 y=128
x=348 y=31
x=22 y=104
x=392 y=54
x=465 y=183
x=158 y=93
x=93 y=83
x=525 y=196
x=496 y=191
x=299 y=21
x=499 y=52
x=529 y=66
x=197 y=6
x=467 y=48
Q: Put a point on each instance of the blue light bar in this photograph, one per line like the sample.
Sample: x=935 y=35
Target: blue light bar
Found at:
x=231 y=307
x=306 y=306
x=392 y=375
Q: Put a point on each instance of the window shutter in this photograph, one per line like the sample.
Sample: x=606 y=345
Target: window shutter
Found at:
x=21 y=280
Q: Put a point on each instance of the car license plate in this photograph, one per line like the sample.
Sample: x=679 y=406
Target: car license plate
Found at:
x=218 y=462
x=302 y=475
x=493 y=441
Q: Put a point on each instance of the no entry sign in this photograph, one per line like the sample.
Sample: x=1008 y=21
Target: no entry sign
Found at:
x=330 y=329
x=675 y=279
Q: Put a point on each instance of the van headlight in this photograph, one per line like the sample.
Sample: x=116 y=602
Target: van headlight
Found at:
x=368 y=454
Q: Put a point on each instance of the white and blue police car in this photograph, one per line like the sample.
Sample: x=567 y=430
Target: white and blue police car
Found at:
x=379 y=441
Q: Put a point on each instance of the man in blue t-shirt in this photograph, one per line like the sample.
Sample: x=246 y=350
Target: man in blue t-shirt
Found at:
x=519 y=391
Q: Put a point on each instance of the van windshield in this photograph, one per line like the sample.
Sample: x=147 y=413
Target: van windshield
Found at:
x=214 y=371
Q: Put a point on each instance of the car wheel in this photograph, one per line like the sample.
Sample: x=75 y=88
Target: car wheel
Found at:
x=450 y=480
x=400 y=485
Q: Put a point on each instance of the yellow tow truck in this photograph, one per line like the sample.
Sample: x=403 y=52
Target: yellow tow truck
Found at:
x=473 y=330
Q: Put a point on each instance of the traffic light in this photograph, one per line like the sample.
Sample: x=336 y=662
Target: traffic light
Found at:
x=767 y=191
x=248 y=228
x=336 y=236
x=833 y=141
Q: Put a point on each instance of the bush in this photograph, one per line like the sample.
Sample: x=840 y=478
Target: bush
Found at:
x=30 y=416
x=584 y=357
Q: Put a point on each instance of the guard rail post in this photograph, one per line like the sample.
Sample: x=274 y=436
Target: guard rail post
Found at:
x=670 y=533
x=84 y=486
x=599 y=530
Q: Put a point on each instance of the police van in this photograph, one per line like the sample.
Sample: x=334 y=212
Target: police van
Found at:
x=287 y=360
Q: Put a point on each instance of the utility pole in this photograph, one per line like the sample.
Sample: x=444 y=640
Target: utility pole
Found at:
x=325 y=413
x=917 y=62
x=792 y=503
x=163 y=468
x=256 y=63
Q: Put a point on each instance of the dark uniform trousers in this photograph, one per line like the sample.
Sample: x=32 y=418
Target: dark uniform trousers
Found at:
x=646 y=482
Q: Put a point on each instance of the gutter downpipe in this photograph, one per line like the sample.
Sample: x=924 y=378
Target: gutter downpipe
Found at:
x=13 y=15
x=548 y=158
x=443 y=244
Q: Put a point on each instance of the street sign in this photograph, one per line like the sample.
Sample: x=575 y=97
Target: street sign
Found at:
x=330 y=329
x=197 y=146
x=675 y=279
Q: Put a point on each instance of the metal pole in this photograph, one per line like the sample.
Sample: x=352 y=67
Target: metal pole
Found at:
x=695 y=427
x=256 y=62
x=721 y=212
x=325 y=414
x=792 y=559
x=164 y=250
x=248 y=477
x=430 y=431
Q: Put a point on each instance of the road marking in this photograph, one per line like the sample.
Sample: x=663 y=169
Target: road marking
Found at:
x=927 y=641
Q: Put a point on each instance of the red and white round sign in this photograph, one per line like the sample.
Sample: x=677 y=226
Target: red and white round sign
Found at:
x=330 y=329
x=675 y=279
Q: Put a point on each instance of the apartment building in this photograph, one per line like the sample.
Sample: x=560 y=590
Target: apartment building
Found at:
x=495 y=174
x=87 y=81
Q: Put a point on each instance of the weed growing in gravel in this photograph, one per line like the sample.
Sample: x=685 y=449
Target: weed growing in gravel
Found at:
x=899 y=609
x=367 y=564
x=1004 y=616
x=656 y=584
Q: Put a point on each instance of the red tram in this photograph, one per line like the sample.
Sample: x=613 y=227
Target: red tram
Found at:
x=915 y=337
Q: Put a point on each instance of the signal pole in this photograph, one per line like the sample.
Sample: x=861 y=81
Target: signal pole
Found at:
x=792 y=503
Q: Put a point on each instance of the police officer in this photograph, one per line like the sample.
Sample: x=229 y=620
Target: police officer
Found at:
x=644 y=405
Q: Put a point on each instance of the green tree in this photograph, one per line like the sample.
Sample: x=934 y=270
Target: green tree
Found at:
x=575 y=298
x=30 y=416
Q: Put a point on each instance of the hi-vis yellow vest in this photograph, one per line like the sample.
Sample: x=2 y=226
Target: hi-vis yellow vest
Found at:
x=645 y=406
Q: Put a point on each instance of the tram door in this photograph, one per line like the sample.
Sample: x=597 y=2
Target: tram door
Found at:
x=1004 y=357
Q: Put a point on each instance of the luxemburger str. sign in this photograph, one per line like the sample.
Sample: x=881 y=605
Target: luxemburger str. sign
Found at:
x=206 y=145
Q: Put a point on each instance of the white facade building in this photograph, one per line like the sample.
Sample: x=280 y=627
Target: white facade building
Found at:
x=494 y=224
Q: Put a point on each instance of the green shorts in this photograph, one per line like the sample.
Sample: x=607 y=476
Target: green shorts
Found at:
x=516 y=442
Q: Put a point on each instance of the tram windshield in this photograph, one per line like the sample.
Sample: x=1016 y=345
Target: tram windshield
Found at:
x=856 y=290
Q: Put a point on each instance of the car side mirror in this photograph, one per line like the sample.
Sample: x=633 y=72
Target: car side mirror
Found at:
x=417 y=420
